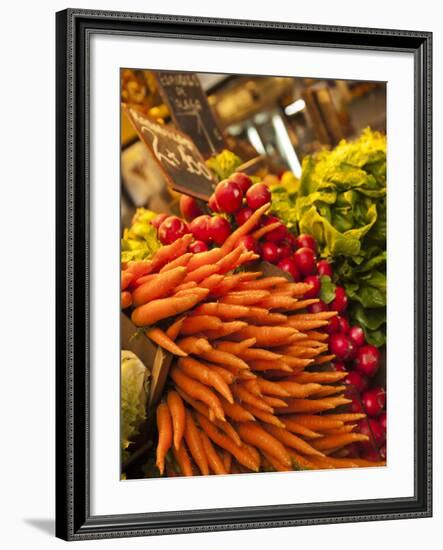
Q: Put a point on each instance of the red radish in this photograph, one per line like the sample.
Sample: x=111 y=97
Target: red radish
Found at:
x=198 y=246
x=249 y=243
x=383 y=421
x=368 y=453
x=258 y=195
x=318 y=307
x=243 y=215
x=314 y=281
x=340 y=302
x=382 y=452
x=219 y=229
x=212 y=203
x=374 y=401
x=241 y=179
x=200 y=228
x=277 y=235
x=341 y=346
x=353 y=451
x=267 y=220
x=324 y=268
x=358 y=380
x=189 y=208
x=283 y=250
x=357 y=335
x=305 y=261
x=355 y=406
x=377 y=431
x=343 y=324
x=339 y=366
x=289 y=265
x=229 y=196
x=171 y=229
x=333 y=326
x=367 y=360
x=269 y=252
x=159 y=219
x=306 y=241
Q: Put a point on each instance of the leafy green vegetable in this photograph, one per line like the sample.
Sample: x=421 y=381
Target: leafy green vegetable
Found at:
x=224 y=164
x=134 y=391
x=327 y=289
x=341 y=202
x=140 y=241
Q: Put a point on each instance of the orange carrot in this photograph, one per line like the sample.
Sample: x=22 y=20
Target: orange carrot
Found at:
x=195 y=444
x=139 y=268
x=204 y=258
x=126 y=299
x=244 y=297
x=338 y=440
x=252 y=387
x=346 y=417
x=224 y=358
x=241 y=454
x=259 y=233
x=201 y=273
x=144 y=279
x=126 y=279
x=223 y=311
x=267 y=336
x=251 y=354
x=185 y=286
x=154 y=311
x=315 y=422
x=272 y=388
x=276 y=464
x=200 y=407
x=266 y=417
x=243 y=395
x=183 y=460
x=227 y=460
x=198 y=391
x=162 y=339
x=274 y=402
x=277 y=302
x=305 y=325
x=269 y=365
x=212 y=281
x=296 y=362
x=181 y=261
x=230 y=261
x=170 y=252
x=173 y=330
x=164 y=426
x=315 y=335
x=201 y=372
x=236 y=348
x=313 y=405
x=324 y=377
x=255 y=435
x=327 y=391
x=194 y=344
x=291 y=440
x=226 y=329
x=214 y=461
x=259 y=315
x=299 y=390
x=244 y=229
x=236 y=412
x=177 y=410
x=261 y=284
x=320 y=316
x=199 y=323
x=296 y=428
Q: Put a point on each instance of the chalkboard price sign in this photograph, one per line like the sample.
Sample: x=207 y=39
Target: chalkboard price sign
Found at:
x=190 y=110
x=177 y=156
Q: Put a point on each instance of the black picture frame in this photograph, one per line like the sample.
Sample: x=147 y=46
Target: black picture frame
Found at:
x=74 y=28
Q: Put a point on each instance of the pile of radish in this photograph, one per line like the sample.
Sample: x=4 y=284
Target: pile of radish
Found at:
x=232 y=204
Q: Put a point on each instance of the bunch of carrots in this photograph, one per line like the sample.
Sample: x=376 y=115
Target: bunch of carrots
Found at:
x=244 y=393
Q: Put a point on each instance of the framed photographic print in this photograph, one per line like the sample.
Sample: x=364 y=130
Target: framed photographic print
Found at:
x=243 y=274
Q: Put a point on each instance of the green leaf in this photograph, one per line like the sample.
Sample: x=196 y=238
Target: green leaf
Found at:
x=375 y=337
x=327 y=290
x=371 y=319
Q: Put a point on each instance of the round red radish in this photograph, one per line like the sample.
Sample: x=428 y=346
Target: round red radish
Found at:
x=171 y=229
x=283 y=250
x=353 y=451
x=339 y=366
x=159 y=219
x=289 y=265
x=212 y=203
x=374 y=401
x=383 y=420
x=200 y=228
x=306 y=241
x=198 y=246
x=318 y=307
x=219 y=229
x=189 y=208
x=269 y=252
x=277 y=235
x=258 y=195
x=228 y=196
x=377 y=431
x=249 y=243
x=368 y=453
x=340 y=302
x=341 y=346
x=243 y=215
x=357 y=335
x=358 y=380
x=305 y=261
x=324 y=268
x=243 y=180
x=333 y=326
x=314 y=281
x=355 y=406
x=367 y=360
x=382 y=452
